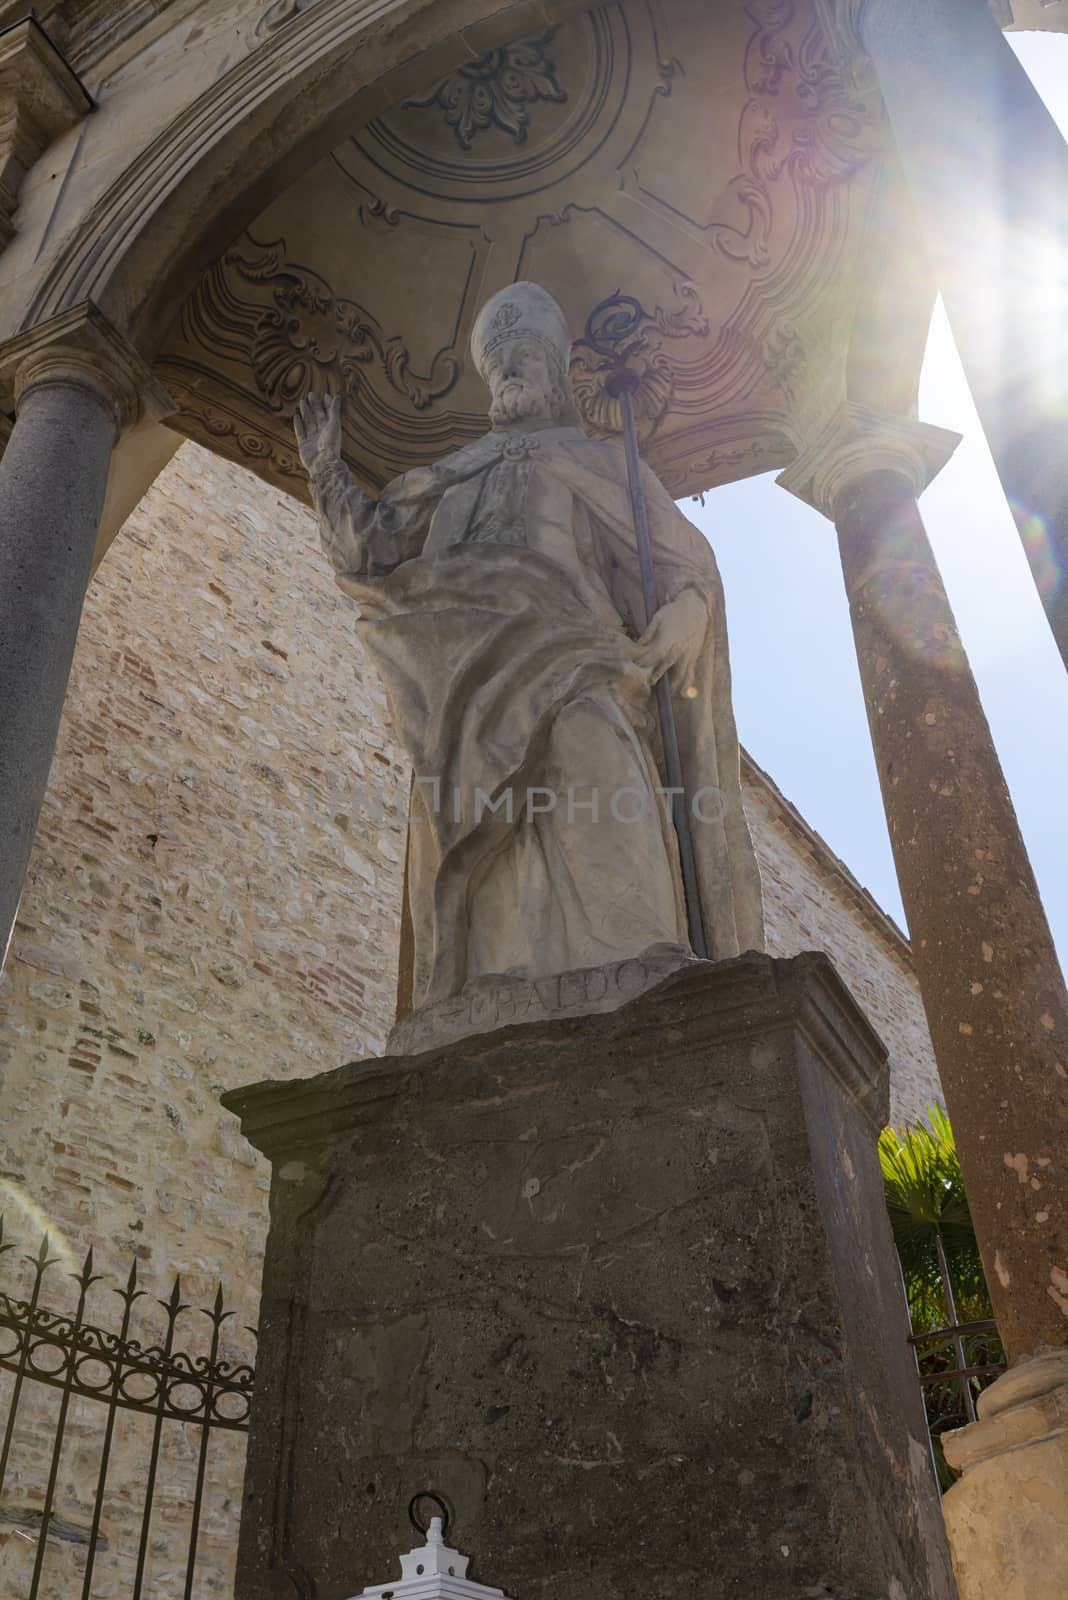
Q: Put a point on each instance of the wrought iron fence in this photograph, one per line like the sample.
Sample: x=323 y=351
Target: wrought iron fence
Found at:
x=953 y=1365
x=111 y=1374
x=942 y=1373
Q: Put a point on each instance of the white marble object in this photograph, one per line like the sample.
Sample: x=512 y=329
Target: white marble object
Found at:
x=501 y=601
x=433 y=1571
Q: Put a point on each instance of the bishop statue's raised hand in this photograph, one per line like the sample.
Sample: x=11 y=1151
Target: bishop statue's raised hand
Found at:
x=317 y=425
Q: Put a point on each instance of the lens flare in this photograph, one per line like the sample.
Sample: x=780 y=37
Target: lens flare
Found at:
x=905 y=596
x=26 y=1222
x=1047 y=569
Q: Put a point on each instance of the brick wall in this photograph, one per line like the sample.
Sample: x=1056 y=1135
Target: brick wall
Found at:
x=206 y=906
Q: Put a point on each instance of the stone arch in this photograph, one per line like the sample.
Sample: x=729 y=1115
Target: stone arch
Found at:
x=332 y=66
x=250 y=135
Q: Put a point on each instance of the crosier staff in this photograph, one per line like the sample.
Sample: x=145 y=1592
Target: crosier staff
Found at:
x=621 y=383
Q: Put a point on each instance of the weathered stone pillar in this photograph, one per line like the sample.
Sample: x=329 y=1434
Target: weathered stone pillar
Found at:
x=988 y=169
x=74 y=385
x=991 y=985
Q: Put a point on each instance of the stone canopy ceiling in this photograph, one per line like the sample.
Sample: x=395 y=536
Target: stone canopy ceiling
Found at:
x=715 y=164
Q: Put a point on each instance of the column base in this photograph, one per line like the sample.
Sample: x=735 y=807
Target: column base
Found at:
x=621 y=1288
x=1007 y=1517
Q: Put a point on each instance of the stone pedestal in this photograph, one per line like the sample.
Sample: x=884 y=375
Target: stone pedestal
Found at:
x=621 y=1288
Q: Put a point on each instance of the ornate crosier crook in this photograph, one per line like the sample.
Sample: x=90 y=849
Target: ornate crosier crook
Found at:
x=613 y=331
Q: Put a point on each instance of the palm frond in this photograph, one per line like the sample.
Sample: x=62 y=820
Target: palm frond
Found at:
x=926 y=1202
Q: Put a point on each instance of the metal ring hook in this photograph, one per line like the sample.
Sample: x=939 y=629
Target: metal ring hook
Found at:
x=446 y=1514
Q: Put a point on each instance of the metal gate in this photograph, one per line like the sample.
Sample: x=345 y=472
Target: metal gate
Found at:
x=109 y=1442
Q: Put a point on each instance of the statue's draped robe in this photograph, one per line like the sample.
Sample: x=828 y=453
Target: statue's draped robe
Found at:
x=500 y=597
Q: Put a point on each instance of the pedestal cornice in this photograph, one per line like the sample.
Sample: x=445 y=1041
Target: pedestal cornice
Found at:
x=716 y=1000
x=857 y=442
x=82 y=347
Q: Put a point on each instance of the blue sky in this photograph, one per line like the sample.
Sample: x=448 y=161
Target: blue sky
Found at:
x=797 y=692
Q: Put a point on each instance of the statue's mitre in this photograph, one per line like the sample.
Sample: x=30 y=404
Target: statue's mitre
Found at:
x=523 y=311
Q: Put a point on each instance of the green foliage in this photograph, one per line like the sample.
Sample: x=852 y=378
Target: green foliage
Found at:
x=926 y=1201
x=927 y=1204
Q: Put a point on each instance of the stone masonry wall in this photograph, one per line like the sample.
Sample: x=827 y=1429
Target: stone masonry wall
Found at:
x=812 y=903
x=201 y=911
x=209 y=903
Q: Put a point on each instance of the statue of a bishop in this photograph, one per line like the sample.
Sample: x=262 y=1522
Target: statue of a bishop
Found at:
x=501 y=601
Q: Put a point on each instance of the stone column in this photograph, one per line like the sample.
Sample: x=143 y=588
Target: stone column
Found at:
x=988 y=169
x=74 y=384
x=991 y=985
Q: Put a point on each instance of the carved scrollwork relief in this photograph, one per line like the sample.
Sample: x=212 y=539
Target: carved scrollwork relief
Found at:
x=623 y=329
x=783 y=355
x=252 y=446
x=496 y=91
x=804 y=119
x=723 y=149
x=727 y=462
x=298 y=335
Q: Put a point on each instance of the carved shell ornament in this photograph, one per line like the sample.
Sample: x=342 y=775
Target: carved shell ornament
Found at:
x=495 y=91
x=621 y=331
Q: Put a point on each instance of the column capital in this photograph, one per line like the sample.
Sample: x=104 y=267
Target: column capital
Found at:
x=858 y=441
x=81 y=347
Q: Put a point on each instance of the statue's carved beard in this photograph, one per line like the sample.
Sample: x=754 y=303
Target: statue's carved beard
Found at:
x=518 y=401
